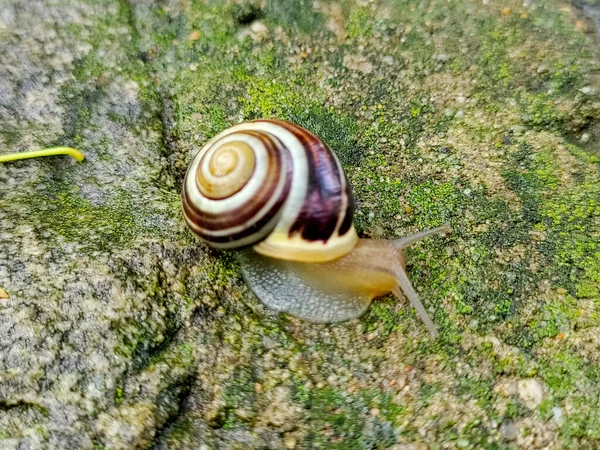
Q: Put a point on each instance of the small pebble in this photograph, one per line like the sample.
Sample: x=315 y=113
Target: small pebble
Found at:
x=531 y=392
x=585 y=137
x=242 y=413
x=557 y=415
x=290 y=441
x=587 y=90
x=411 y=446
x=509 y=430
x=269 y=343
x=258 y=27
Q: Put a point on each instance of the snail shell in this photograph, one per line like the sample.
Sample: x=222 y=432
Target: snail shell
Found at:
x=274 y=185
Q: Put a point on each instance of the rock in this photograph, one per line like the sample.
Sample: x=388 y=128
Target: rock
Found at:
x=289 y=440
x=259 y=29
x=531 y=392
x=509 y=431
x=588 y=90
x=123 y=330
x=358 y=63
x=558 y=415
x=280 y=412
x=269 y=343
x=411 y=446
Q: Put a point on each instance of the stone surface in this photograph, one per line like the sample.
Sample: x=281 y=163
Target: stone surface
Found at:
x=509 y=430
x=119 y=329
x=531 y=392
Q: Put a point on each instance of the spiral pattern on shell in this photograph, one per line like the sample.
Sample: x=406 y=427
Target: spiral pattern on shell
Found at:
x=274 y=185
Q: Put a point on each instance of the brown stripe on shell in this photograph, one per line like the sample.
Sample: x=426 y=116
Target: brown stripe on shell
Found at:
x=347 y=222
x=322 y=205
x=253 y=229
x=237 y=216
x=201 y=220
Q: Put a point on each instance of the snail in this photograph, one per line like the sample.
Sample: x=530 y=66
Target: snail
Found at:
x=277 y=193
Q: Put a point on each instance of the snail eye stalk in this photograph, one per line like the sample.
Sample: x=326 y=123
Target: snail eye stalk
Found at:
x=45 y=152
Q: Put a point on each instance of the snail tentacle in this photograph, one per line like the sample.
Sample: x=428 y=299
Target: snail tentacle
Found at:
x=405 y=286
x=411 y=239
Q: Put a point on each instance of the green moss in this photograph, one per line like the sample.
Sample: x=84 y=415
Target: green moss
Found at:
x=339 y=132
x=537 y=227
x=238 y=395
x=224 y=269
x=481 y=390
x=433 y=204
x=427 y=392
x=570 y=220
x=567 y=375
x=9 y=138
x=540 y=113
x=62 y=211
x=119 y=397
x=337 y=420
x=383 y=316
x=556 y=316
x=180 y=356
x=360 y=23
x=22 y=418
x=563 y=372
x=187 y=430
x=294 y=14
x=276 y=96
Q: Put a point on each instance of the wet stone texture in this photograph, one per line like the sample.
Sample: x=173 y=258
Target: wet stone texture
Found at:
x=118 y=329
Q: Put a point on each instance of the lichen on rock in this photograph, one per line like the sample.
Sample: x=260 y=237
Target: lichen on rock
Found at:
x=119 y=329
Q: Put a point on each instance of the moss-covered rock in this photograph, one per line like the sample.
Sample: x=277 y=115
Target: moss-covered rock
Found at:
x=118 y=329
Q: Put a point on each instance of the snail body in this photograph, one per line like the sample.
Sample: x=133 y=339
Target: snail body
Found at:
x=278 y=194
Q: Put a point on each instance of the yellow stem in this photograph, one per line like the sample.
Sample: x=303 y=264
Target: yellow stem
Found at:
x=46 y=152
